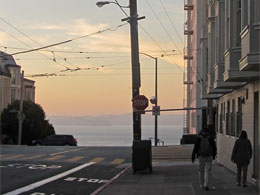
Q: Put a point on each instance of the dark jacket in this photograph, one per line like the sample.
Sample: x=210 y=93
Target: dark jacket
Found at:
x=242 y=152
x=196 y=152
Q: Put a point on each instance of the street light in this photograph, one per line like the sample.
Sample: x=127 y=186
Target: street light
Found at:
x=154 y=100
x=102 y=3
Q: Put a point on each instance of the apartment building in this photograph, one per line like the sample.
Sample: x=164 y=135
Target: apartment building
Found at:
x=195 y=119
x=230 y=60
x=10 y=82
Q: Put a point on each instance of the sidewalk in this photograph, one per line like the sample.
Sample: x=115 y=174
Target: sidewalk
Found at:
x=176 y=176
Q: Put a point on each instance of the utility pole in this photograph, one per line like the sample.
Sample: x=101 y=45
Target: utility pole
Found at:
x=136 y=80
x=156 y=104
x=20 y=113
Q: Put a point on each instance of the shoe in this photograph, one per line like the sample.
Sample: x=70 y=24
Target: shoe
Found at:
x=244 y=185
x=206 y=188
x=238 y=184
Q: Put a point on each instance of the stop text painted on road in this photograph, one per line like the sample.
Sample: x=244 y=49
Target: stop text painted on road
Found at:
x=86 y=180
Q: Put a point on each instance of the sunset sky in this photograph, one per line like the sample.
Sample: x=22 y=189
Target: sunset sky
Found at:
x=103 y=83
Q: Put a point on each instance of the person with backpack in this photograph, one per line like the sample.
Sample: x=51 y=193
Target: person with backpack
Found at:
x=205 y=150
x=241 y=155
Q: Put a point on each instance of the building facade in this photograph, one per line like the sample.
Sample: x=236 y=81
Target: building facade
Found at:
x=10 y=82
x=193 y=76
x=230 y=59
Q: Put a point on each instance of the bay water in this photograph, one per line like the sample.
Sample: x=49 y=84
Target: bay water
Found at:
x=119 y=135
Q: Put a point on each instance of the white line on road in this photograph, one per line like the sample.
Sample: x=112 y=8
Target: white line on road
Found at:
x=48 y=180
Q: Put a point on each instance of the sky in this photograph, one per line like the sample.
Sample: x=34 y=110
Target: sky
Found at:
x=100 y=49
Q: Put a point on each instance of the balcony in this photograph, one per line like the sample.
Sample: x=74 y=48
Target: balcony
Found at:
x=250 y=53
x=211 y=89
x=188 y=32
x=187 y=82
x=188 y=7
x=250 y=62
x=219 y=83
x=188 y=57
x=205 y=95
x=232 y=69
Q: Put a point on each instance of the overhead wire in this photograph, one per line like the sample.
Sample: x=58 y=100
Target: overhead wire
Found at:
x=169 y=36
x=30 y=47
x=172 y=24
x=87 y=52
x=66 y=41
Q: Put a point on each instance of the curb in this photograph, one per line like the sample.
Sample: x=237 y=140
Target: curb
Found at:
x=110 y=181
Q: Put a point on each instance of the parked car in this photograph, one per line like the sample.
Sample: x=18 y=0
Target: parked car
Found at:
x=56 y=140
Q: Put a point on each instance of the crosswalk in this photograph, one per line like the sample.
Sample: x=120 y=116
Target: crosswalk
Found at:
x=63 y=158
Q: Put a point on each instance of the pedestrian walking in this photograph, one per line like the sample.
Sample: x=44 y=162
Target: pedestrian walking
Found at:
x=205 y=150
x=241 y=155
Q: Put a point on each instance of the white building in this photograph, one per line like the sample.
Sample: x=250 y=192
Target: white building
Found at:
x=10 y=82
x=230 y=56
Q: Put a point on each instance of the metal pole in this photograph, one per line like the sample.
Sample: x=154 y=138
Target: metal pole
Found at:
x=156 y=117
x=20 y=113
x=136 y=80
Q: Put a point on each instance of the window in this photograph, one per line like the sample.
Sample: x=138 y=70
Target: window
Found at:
x=227 y=24
x=13 y=95
x=257 y=13
x=239 y=116
x=217 y=118
x=238 y=23
x=13 y=77
x=233 y=119
x=221 y=118
x=193 y=119
x=244 y=14
x=228 y=119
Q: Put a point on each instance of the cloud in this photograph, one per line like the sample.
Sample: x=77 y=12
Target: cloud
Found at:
x=106 y=41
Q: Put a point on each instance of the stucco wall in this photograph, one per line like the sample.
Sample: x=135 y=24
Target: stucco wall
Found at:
x=225 y=142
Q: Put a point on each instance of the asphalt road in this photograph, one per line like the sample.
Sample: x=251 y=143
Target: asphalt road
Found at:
x=54 y=170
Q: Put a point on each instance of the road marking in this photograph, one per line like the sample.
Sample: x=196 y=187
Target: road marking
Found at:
x=65 y=151
x=48 y=180
x=54 y=157
x=97 y=160
x=32 y=157
x=76 y=158
x=13 y=157
x=117 y=161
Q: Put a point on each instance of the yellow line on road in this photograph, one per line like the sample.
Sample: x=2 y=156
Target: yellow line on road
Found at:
x=54 y=157
x=3 y=155
x=32 y=157
x=97 y=160
x=13 y=157
x=117 y=161
x=65 y=151
x=76 y=158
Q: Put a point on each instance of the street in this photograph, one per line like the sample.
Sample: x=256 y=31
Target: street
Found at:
x=45 y=170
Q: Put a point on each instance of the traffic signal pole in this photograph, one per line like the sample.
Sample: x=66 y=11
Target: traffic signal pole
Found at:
x=136 y=78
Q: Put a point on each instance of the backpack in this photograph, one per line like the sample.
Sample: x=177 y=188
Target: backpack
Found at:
x=205 y=147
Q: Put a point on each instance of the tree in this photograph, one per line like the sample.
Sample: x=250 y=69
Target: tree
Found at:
x=34 y=125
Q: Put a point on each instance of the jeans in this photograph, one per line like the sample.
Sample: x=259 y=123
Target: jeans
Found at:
x=241 y=168
x=205 y=164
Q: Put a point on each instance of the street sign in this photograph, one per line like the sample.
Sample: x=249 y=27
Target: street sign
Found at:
x=140 y=102
x=156 y=110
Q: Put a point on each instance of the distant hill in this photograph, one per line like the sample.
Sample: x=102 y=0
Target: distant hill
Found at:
x=124 y=119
